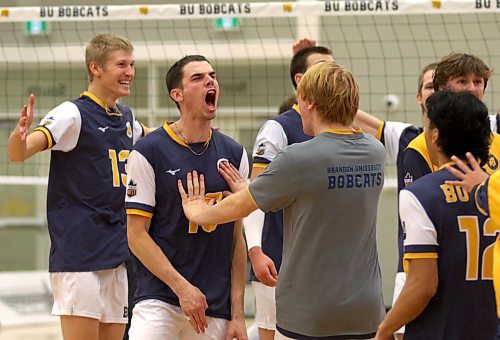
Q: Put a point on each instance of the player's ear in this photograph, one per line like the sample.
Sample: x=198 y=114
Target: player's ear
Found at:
x=94 y=68
x=419 y=99
x=176 y=95
x=297 y=77
x=311 y=106
x=435 y=136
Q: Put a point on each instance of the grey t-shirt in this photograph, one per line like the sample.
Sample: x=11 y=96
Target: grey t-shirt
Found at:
x=329 y=187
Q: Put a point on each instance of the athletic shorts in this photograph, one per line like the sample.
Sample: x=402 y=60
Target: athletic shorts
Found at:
x=399 y=283
x=158 y=320
x=101 y=294
x=265 y=306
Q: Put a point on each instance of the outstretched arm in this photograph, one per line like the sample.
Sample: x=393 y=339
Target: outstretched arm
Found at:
x=368 y=123
x=199 y=211
x=21 y=144
x=469 y=177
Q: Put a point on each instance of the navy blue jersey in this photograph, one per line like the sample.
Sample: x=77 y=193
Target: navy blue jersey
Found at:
x=442 y=222
x=267 y=145
x=417 y=163
x=201 y=254
x=86 y=189
x=396 y=137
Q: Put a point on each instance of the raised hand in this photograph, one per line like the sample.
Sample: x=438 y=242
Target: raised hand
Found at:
x=302 y=43
x=233 y=178
x=193 y=200
x=469 y=177
x=26 y=118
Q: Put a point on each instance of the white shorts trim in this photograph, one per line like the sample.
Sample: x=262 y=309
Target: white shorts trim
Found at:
x=399 y=283
x=265 y=306
x=101 y=294
x=157 y=320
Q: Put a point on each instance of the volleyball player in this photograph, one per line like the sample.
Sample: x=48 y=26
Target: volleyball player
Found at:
x=448 y=292
x=485 y=193
x=89 y=138
x=265 y=233
x=456 y=72
x=190 y=277
x=329 y=186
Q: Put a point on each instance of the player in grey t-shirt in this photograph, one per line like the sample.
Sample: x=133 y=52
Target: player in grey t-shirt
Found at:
x=329 y=283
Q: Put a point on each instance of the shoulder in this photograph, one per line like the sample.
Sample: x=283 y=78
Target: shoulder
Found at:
x=287 y=115
x=426 y=186
x=220 y=137
x=373 y=142
x=152 y=140
x=67 y=112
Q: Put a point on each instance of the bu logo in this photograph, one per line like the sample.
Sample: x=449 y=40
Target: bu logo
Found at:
x=125 y=312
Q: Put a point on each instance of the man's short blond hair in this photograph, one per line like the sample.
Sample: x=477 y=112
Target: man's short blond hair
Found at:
x=333 y=89
x=99 y=48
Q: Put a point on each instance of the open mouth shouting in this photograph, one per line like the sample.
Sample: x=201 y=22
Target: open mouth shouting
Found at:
x=211 y=99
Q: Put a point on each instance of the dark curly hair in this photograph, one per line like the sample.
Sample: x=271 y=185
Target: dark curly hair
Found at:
x=462 y=121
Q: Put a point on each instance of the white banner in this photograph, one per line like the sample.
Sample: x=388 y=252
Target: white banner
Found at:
x=241 y=10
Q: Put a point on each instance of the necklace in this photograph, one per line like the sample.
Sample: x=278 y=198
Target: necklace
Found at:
x=207 y=143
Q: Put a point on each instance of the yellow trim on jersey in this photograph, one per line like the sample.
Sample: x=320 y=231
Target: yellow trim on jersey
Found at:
x=446 y=164
x=416 y=256
x=296 y=108
x=50 y=141
x=492 y=163
x=496 y=272
x=412 y=256
x=380 y=129
x=101 y=103
x=344 y=131
x=139 y=212
x=171 y=133
x=478 y=206
x=248 y=188
x=418 y=144
x=494 y=197
x=259 y=165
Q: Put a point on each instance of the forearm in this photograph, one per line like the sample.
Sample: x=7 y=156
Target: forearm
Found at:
x=153 y=258
x=20 y=149
x=238 y=273
x=368 y=123
x=17 y=147
x=412 y=301
x=232 y=208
